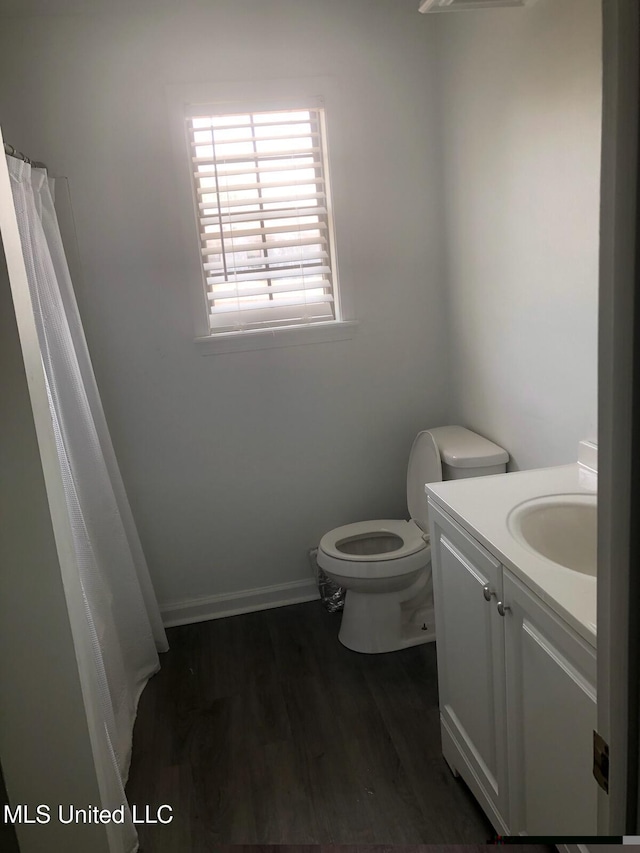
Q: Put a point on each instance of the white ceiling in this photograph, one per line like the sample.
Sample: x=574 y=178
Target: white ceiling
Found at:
x=28 y=8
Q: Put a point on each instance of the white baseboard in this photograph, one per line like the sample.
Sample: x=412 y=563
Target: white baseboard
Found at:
x=235 y=603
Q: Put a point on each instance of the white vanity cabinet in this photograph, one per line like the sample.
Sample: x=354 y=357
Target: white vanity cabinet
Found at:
x=551 y=717
x=517 y=695
x=467 y=582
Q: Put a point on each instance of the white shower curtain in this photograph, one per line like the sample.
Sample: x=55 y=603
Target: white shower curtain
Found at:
x=120 y=606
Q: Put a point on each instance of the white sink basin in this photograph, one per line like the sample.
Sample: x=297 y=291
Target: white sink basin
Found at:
x=561 y=528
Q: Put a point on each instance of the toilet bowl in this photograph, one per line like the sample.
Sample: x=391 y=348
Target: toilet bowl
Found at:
x=385 y=565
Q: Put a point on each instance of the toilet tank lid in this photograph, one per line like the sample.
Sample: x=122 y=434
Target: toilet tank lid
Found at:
x=461 y=448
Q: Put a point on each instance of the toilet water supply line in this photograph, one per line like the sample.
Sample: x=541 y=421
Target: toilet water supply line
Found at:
x=331 y=594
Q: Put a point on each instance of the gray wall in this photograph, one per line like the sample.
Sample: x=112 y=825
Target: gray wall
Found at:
x=468 y=214
x=520 y=105
x=236 y=464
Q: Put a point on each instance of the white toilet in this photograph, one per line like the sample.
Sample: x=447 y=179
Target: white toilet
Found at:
x=385 y=566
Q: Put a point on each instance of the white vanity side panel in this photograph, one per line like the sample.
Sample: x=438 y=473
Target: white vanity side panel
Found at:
x=549 y=671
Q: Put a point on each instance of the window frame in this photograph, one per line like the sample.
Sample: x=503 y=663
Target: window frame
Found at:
x=244 y=97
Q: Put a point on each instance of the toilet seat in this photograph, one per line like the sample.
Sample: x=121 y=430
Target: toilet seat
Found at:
x=408 y=531
x=414 y=553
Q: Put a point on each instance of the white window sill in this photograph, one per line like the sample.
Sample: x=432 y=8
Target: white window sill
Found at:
x=290 y=336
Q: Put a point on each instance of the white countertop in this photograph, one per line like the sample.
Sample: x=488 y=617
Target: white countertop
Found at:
x=481 y=505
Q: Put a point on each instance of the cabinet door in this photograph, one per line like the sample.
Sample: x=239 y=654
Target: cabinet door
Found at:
x=551 y=712
x=470 y=644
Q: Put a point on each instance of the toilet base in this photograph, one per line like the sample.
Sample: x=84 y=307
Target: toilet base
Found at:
x=374 y=623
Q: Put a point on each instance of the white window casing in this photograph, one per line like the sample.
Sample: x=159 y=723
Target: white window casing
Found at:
x=262 y=198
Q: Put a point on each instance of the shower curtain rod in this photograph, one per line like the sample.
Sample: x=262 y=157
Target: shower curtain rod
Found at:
x=11 y=151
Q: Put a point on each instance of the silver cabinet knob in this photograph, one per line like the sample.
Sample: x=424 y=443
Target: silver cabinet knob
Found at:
x=487 y=592
x=502 y=607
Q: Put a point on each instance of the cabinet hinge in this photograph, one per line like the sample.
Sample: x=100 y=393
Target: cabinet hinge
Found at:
x=601 y=761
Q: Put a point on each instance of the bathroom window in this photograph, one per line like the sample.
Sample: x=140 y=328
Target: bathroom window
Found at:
x=263 y=208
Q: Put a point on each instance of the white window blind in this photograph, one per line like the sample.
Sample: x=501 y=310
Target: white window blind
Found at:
x=263 y=210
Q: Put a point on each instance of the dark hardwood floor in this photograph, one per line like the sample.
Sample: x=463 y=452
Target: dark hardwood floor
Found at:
x=262 y=729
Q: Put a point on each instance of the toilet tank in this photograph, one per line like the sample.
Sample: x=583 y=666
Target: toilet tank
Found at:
x=466 y=454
